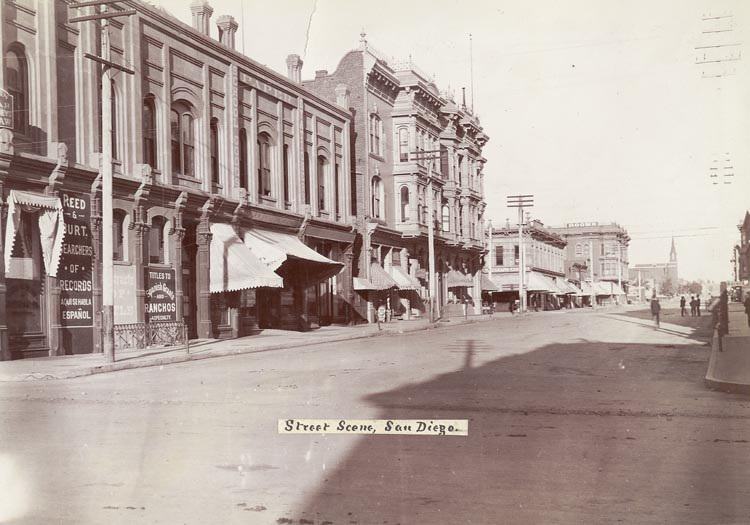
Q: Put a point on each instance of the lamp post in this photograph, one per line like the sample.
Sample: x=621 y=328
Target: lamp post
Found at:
x=108 y=289
x=521 y=202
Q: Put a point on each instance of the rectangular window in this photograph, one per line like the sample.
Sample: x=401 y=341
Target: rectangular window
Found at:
x=516 y=253
x=286 y=173
x=336 y=193
x=403 y=145
x=499 y=252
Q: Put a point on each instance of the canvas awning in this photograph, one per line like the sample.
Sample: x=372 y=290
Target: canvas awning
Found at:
x=51 y=226
x=536 y=282
x=458 y=279
x=380 y=279
x=487 y=284
x=234 y=266
x=506 y=282
x=608 y=288
x=404 y=281
x=276 y=248
x=586 y=288
x=361 y=284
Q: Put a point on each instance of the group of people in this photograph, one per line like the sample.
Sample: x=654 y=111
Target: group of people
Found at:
x=695 y=306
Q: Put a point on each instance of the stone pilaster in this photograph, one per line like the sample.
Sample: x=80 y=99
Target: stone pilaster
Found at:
x=202 y=267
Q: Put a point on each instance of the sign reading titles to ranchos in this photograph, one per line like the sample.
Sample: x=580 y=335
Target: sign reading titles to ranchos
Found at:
x=75 y=271
x=161 y=304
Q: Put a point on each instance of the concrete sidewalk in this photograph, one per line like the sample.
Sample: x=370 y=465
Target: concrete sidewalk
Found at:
x=66 y=367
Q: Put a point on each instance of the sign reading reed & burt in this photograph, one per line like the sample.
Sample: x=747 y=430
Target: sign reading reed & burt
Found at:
x=75 y=274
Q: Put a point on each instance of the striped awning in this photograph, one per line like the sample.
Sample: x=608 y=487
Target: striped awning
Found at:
x=380 y=279
x=458 y=279
x=487 y=284
x=404 y=281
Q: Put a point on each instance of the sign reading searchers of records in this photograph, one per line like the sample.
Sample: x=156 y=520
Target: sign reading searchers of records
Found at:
x=161 y=306
x=74 y=273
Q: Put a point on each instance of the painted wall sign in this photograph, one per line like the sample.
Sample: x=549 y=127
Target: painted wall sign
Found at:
x=161 y=303
x=75 y=271
x=124 y=279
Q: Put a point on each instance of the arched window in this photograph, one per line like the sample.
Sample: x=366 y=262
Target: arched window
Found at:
x=149 y=131
x=17 y=84
x=120 y=222
x=446 y=218
x=403 y=145
x=243 y=158
x=404 y=203
x=321 y=178
x=286 y=173
x=307 y=178
x=183 y=139
x=156 y=241
x=214 y=138
x=376 y=194
x=264 y=165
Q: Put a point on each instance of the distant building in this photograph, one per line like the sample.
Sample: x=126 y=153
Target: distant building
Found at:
x=545 y=264
x=596 y=253
x=658 y=274
x=742 y=251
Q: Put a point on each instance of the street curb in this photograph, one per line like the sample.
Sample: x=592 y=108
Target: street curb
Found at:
x=184 y=358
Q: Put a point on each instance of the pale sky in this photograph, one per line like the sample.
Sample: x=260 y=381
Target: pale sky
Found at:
x=598 y=108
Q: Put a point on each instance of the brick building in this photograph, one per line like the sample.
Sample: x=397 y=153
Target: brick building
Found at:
x=398 y=111
x=658 y=277
x=596 y=258
x=232 y=194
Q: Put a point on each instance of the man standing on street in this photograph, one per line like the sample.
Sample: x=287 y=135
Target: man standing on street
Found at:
x=698 y=305
x=655 y=309
x=682 y=306
x=747 y=306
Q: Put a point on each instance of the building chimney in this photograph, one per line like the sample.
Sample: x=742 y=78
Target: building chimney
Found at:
x=227 y=30
x=320 y=73
x=294 y=68
x=201 y=16
x=342 y=96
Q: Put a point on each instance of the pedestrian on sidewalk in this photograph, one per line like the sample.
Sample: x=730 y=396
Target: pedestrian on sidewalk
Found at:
x=747 y=307
x=692 y=306
x=511 y=306
x=682 y=306
x=698 y=305
x=655 y=309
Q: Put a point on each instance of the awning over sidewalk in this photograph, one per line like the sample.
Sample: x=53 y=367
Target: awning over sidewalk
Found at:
x=380 y=279
x=275 y=248
x=506 y=282
x=536 y=282
x=51 y=226
x=404 y=281
x=487 y=284
x=458 y=279
x=234 y=266
x=362 y=285
x=608 y=288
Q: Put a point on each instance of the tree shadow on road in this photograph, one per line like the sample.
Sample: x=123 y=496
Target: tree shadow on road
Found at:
x=589 y=432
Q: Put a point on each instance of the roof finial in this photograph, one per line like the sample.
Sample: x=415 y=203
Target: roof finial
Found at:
x=363 y=38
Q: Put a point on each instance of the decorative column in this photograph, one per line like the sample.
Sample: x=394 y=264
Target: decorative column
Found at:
x=4 y=350
x=203 y=269
x=178 y=234
x=141 y=230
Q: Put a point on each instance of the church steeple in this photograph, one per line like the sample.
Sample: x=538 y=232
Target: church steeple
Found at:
x=673 y=253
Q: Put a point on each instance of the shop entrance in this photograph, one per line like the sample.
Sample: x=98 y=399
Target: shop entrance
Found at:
x=189 y=283
x=25 y=294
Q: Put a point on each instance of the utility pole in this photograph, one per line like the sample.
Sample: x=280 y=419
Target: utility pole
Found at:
x=430 y=156
x=521 y=202
x=591 y=273
x=108 y=289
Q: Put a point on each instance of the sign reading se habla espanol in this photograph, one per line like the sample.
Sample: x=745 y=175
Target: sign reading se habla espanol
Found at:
x=76 y=261
x=161 y=303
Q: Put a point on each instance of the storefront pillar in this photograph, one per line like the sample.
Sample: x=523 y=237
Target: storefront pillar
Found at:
x=203 y=262
x=141 y=231
x=178 y=234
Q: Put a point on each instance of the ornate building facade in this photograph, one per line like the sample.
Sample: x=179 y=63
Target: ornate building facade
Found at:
x=233 y=200
x=412 y=144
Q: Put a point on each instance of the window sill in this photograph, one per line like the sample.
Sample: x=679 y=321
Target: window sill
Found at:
x=122 y=263
x=377 y=157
